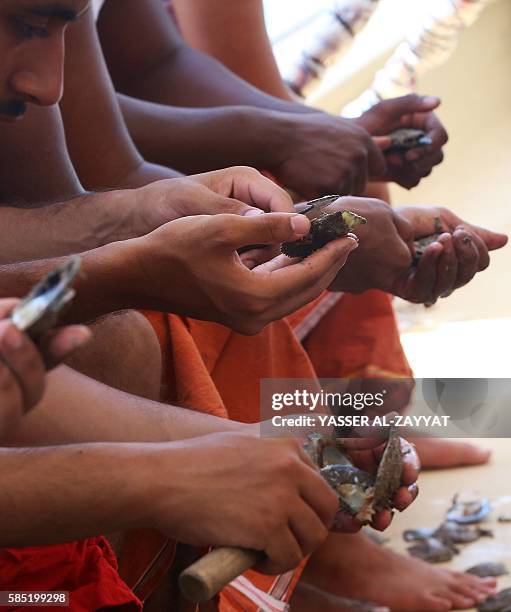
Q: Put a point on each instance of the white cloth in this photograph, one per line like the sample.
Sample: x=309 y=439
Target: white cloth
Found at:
x=96 y=7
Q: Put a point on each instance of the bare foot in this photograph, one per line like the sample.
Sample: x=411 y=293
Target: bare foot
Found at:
x=436 y=453
x=355 y=567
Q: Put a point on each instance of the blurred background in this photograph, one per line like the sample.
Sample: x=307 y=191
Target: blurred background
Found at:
x=467 y=334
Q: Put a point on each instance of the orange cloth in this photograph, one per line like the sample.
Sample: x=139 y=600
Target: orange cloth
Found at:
x=217 y=371
x=87 y=569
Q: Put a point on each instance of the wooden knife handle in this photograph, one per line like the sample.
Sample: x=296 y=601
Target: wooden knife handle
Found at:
x=206 y=577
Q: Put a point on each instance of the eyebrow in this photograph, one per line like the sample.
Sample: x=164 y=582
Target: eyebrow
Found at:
x=54 y=10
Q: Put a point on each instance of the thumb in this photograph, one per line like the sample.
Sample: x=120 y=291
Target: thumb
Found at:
x=493 y=240
x=270 y=228
x=58 y=344
x=412 y=103
x=7 y=306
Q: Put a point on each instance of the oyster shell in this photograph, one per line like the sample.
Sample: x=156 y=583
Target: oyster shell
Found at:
x=405 y=139
x=469 y=511
x=388 y=476
x=324 y=229
x=448 y=532
x=501 y=602
x=38 y=312
x=433 y=550
x=488 y=569
x=354 y=488
x=360 y=493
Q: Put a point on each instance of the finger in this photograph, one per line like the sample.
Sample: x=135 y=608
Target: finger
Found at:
x=259 y=191
x=382 y=519
x=402 y=109
x=246 y=185
x=233 y=232
x=482 y=252
x=308 y=529
x=10 y=390
x=7 y=306
x=345 y=523
x=259 y=256
x=424 y=161
x=421 y=282
x=317 y=494
x=447 y=268
x=283 y=552
x=22 y=358
x=411 y=463
x=360 y=181
x=376 y=162
x=492 y=240
x=305 y=280
x=218 y=205
x=404 y=227
x=404 y=497
x=58 y=344
x=467 y=255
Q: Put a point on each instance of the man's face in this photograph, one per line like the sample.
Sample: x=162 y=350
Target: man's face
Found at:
x=32 y=52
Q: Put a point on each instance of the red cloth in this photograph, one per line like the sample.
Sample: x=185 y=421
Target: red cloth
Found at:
x=87 y=569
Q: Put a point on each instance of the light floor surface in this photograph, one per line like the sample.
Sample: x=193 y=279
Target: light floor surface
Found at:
x=436 y=491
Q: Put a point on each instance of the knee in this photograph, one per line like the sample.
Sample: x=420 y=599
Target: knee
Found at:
x=124 y=353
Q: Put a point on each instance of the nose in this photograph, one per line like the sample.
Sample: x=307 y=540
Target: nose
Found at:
x=40 y=74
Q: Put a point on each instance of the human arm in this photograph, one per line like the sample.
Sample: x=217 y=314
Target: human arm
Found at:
x=234 y=32
x=99 y=143
x=205 y=480
x=296 y=144
x=190 y=266
x=93 y=220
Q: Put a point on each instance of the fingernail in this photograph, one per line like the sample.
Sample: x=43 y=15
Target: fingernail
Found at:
x=13 y=339
x=83 y=335
x=254 y=212
x=431 y=100
x=413 y=489
x=300 y=224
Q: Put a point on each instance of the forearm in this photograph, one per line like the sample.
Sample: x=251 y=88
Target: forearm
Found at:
x=77 y=225
x=78 y=409
x=165 y=69
x=198 y=140
x=70 y=488
x=191 y=78
x=103 y=285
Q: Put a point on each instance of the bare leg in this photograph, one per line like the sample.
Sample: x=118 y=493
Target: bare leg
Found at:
x=124 y=353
